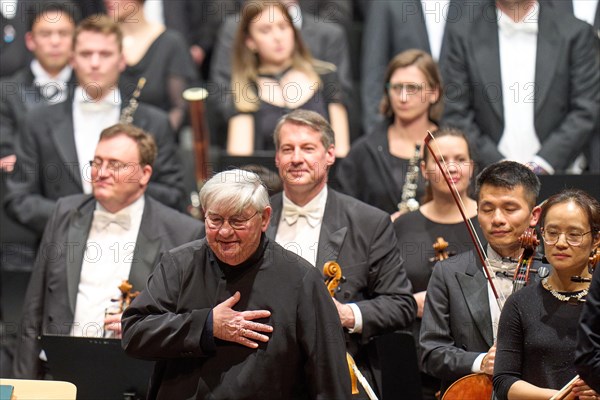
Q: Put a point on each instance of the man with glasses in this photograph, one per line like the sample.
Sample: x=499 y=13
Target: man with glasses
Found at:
x=461 y=313
x=236 y=316
x=59 y=140
x=94 y=242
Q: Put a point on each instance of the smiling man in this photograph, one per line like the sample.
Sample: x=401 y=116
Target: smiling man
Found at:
x=236 y=316
x=59 y=140
x=94 y=242
x=461 y=314
x=323 y=225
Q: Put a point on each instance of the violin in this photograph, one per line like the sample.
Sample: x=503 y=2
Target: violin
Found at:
x=333 y=274
x=126 y=295
x=529 y=242
x=439 y=246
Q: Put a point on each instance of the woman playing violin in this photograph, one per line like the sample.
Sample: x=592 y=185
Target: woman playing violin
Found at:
x=538 y=326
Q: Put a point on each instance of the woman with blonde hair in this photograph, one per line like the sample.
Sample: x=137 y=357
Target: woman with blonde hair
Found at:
x=274 y=73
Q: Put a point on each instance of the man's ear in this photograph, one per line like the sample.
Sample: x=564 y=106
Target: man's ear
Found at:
x=535 y=216
x=29 y=42
x=146 y=175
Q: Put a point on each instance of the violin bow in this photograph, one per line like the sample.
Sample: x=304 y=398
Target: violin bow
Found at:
x=441 y=163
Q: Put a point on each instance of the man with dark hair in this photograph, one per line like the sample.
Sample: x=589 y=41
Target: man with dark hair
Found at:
x=94 y=242
x=461 y=313
x=58 y=140
x=322 y=225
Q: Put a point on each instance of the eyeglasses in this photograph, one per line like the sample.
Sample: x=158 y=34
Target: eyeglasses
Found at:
x=408 y=88
x=214 y=221
x=573 y=238
x=113 y=165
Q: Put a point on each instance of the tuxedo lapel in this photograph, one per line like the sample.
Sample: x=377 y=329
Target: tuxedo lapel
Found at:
x=420 y=27
x=474 y=289
x=549 y=52
x=147 y=248
x=63 y=134
x=333 y=231
x=77 y=235
x=277 y=205
x=485 y=46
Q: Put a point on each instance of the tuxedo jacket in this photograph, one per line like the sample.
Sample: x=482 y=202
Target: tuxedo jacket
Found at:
x=47 y=166
x=52 y=292
x=360 y=238
x=587 y=355
x=457 y=324
x=18 y=97
x=567 y=85
x=14 y=52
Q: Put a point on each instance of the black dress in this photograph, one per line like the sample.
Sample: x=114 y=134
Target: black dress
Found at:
x=537 y=337
x=372 y=174
x=168 y=69
x=416 y=235
x=267 y=115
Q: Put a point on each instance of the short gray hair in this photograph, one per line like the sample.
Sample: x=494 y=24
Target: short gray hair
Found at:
x=308 y=118
x=234 y=190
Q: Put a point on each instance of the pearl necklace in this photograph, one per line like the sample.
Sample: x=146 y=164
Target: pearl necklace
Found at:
x=573 y=299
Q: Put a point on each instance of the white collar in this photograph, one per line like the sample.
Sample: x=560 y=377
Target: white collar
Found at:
x=135 y=208
x=41 y=76
x=317 y=202
x=529 y=23
x=112 y=99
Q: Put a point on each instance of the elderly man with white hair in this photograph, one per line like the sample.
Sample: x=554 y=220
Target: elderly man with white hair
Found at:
x=235 y=315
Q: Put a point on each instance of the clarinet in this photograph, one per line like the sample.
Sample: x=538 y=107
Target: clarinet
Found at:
x=409 y=201
x=127 y=113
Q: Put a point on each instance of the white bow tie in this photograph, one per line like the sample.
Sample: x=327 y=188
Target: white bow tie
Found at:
x=292 y=212
x=511 y=28
x=103 y=219
x=505 y=267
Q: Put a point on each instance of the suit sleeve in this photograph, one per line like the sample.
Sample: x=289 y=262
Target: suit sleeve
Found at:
x=322 y=340
x=166 y=184
x=563 y=144
x=24 y=199
x=8 y=125
x=440 y=355
x=459 y=109
x=374 y=60
x=390 y=305
x=153 y=328
x=27 y=364
x=587 y=355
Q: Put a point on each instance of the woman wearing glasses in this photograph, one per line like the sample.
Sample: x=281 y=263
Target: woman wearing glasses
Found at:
x=378 y=165
x=538 y=326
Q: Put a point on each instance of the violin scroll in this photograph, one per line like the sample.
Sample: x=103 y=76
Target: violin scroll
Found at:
x=126 y=295
x=333 y=272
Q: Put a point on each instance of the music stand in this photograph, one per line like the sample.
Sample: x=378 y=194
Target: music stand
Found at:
x=98 y=367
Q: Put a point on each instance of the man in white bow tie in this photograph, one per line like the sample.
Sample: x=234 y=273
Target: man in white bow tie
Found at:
x=58 y=140
x=94 y=242
x=323 y=225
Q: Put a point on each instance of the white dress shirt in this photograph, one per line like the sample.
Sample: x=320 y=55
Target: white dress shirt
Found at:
x=436 y=14
x=106 y=263
x=585 y=10
x=53 y=88
x=302 y=237
x=518 y=51
x=154 y=11
x=89 y=120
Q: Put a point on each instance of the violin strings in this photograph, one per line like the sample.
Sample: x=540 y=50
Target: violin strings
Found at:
x=500 y=297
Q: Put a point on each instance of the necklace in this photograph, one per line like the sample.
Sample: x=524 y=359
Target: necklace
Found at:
x=572 y=299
